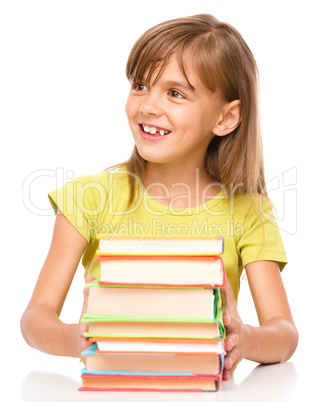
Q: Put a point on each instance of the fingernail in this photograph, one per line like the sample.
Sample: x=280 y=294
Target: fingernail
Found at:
x=228 y=375
x=227 y=319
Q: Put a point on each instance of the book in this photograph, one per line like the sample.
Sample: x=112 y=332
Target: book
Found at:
x=157 y=383
x=203 y=271
x=154 y=361
x=160 y=246
x=155 y=316
x=157 y=327
x=161 y=329
x=156 y=346
x=132 y=363
x=192 y=303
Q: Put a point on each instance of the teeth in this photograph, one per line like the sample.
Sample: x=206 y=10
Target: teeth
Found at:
x=153 y=130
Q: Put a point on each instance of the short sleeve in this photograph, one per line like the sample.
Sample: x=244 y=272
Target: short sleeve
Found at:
x=81 y=201
x=261 y=239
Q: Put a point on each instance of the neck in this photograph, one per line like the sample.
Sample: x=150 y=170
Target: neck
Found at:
x=184 y=186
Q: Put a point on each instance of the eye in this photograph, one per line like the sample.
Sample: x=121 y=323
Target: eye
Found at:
x=175 y=94
x=137 y=86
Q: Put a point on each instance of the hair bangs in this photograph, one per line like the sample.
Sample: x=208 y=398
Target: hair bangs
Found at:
x=152 y=52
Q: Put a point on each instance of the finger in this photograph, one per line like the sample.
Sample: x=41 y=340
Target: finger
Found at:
x=84 y=327
x=232 y=323
x=85 y=344
x=231 y=326
x=228 y=363
x=229 y=370
x=89 y=278
x=231 y=360
x=226 y=375
x=229 y=344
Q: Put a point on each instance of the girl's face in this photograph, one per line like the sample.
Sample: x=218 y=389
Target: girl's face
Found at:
x=171 y=122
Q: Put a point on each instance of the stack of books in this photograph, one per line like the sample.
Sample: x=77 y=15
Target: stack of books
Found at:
x=155 y=316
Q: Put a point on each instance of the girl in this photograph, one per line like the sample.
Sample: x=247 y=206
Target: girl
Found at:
x=196 y=170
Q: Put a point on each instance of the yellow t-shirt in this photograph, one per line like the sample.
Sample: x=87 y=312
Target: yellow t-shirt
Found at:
x=98 y=205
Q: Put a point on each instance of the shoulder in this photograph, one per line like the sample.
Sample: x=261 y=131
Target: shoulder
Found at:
x=247 y=208
x=88 y=191
x=256 y=215
x=260 y=238
x=100 y=181
x=119 y=175
x=89 y=181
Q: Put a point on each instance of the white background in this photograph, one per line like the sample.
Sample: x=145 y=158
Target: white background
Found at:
x=62 y=96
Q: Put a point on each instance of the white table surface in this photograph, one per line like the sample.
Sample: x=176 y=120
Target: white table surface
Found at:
x=269 y=383
x=33 y=376
x=48 y=378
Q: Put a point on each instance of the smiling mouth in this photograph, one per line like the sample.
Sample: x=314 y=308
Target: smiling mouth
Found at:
x=156 y=131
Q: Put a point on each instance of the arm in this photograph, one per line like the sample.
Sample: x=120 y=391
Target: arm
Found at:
x=275 y=340
x=40 y=323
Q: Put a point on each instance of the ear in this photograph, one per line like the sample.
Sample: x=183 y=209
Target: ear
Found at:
x=229 y=119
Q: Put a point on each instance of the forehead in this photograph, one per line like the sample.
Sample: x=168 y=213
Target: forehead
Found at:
x=174 y=64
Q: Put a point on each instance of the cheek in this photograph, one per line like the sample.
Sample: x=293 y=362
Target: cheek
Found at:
x=131 y=107
x=128 y=107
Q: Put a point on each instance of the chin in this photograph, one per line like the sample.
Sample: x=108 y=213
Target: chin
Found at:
x=153 y=157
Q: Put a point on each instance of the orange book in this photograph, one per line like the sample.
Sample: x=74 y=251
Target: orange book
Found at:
x=93 y=382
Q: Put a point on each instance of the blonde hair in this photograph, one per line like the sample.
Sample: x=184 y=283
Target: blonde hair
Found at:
x=224 y=63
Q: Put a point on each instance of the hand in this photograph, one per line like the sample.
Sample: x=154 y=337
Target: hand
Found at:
x=236 y=332
x=82 y=342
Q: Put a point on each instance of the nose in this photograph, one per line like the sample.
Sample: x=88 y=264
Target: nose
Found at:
x=151 y=105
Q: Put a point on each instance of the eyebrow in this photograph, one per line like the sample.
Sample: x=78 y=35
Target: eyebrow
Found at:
x=172 y=83
x=180 y=84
